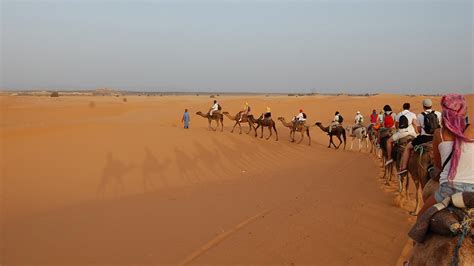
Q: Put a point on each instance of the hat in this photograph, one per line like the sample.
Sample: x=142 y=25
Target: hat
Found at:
x=427 y=103
x=301 y=110
x=246 y=104
x=268 y=109
x=358 y=112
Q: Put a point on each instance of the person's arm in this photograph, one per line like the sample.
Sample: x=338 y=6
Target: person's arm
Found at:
x=415 y=126
x=436 y=154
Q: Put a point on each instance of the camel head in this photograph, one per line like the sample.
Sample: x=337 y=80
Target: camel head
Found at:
x=318 y=123
x=226 y=113
x=281 y=118
x=199 y=113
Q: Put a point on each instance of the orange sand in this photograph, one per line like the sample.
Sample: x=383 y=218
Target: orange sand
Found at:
x=189 y=196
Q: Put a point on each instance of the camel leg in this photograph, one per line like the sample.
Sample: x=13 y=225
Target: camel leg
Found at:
x=232 y=131
x=222 y=124
x=417 y=197
x=352 y=143
x=340 y=142
x=302 y=137
x=256 y=129
x=262 y=132
x=270 y=129
x=360 y=145
x=250 y=128
x=276 y=132
x=309 y=137
x=330 y=141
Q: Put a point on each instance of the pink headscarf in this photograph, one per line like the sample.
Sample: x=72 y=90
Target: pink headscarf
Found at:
x=454 y=112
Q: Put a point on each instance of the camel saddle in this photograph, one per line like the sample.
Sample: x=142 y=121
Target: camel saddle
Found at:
x=451 y=217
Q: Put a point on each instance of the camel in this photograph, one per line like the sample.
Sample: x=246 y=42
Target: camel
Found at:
x=439 y=250
x=372 y=135
x=237 y=122
x=360 y=134
x=263 y=123
x=384 y=135
x=218 y=117
x=420 y=161
x=336 y=131
x=300 y=128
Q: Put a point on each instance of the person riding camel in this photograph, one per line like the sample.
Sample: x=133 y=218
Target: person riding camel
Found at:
x=428 y=121
x=215 y=107
x=358 y=121
x=244 y=112
x=374 y=117
x=300 y=118
x=405 y=123
x=338 y=119
x=453 y=150
x=267 y=115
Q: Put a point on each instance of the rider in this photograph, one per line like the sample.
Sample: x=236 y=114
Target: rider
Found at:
x=336 y=121
x=267 y=114
x=453 y=147
x=245 y=111
x=214 y=108
x=433 y=121
x=374 y=117
x=299 y=119
x=358 y=121
x=405 y=123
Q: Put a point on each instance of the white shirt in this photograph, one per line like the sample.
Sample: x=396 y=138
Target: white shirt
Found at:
x=300 y=117
x=411 y=118
x=465 y=170
x=215 y=107
x=336 y=118
x=358 y=119
x=421 y=120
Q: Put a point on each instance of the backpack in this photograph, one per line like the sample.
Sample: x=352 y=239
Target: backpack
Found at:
x=388 y=121
x=304 y=115
x=430 y=122
x=219 y=107
x=341 y=119
x=403 y=122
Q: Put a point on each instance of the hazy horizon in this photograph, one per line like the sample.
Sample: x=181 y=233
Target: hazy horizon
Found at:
x=383 y=46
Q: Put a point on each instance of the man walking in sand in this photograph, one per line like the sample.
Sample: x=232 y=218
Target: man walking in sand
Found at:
x=186 y=119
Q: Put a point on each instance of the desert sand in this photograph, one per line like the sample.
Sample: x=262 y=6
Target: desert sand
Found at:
x=94 y=179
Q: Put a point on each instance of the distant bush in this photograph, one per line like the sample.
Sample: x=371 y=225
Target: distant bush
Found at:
x=197 y=94
x=55 y=94
x=291 y=94
x=212 y=96
x=124 y=99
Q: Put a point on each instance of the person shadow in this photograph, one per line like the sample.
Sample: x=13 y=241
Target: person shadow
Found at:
x=112 y=177
x=153 y=168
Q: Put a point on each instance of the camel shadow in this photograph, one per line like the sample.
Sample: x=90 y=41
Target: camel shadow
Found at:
x=189 y=175
x=152 y=168
x=112 y=177
x=206 y=159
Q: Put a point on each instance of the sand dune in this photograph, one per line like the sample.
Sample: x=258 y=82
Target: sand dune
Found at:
x=99 y=180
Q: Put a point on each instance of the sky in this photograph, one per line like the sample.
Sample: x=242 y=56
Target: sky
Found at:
x=391 y=46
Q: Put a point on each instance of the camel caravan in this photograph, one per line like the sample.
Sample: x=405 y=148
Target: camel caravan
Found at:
x=434 y=149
